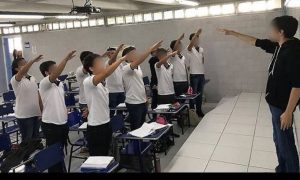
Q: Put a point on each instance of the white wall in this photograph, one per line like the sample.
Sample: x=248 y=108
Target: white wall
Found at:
x=231 y=65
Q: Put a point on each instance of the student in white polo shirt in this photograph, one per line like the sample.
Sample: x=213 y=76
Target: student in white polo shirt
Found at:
x=55 y=116
x=114 y=82
x=180 y=76
x=164 y=72
x=136 y=97
x=99 y=132
x=28 y=109
x=195 y=61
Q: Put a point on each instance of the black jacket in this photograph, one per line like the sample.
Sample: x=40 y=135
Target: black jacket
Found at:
x=284 y=70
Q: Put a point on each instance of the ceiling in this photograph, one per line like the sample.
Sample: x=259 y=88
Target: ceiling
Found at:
x=109 y=7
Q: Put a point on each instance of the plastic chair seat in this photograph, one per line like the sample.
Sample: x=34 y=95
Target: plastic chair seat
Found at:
x=10 y=129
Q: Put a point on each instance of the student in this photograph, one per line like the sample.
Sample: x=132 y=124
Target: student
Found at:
x=114 y=82
x=28 y=107
x=153 y=84
x=17 y=54
x=164 y=71
x=99 y=132
x=180 y=75
x=54 y=116
x=134 y=86
x=283 y=87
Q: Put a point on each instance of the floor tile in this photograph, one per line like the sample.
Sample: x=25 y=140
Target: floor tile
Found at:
x=250 y=120
x=235 y=128
x=245 y=112
x=217 y=118
x=245 y=104
x=264 y=144
x=263 y=159
x=259 y=170
x=210 y=127
x=232 y=155
x=215 y=166
x=264 y=131
x=235 y=140
x=196 y=150
x=264 y=121
x=204 y=137
x=186 y=164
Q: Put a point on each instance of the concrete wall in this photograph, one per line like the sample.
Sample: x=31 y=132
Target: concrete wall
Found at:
x=232 y=66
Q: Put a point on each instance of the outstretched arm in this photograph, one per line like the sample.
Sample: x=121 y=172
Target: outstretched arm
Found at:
x=176 y=47
x=243 y=37
x=56 y=73
x=114 y=58
x=24 y=70
x=165 y=59
x=194 y=40
x=142 y=58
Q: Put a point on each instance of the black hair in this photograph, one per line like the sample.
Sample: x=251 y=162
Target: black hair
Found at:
x=172 y=45
x=15 y=52
x=84 y=54
x=191 y=36
x=161 y=51
x=44 y=67
x=89 y=62
x=15 y=64
x=288 y=24
x=111 y=49
x=128 y=50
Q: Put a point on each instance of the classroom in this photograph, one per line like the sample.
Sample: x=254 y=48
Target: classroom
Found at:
x=149 y=86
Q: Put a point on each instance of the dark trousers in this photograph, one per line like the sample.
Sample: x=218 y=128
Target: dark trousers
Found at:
x=29 y=128
x=99 y=139
x=197 y=83
x=180 y=88
x=137 y=115
x=55 y=134
x=114 y=100
x=285 y=144
x=166 y=99
x=154 y=99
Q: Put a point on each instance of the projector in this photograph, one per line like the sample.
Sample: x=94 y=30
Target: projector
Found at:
x=88 y=8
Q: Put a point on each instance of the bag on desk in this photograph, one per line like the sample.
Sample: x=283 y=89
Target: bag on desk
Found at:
x=194 y=118
x=161 y=120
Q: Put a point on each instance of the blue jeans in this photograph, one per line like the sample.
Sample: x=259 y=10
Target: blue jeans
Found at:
x=114 y=100
x=29 y=128
x=285 y=144
x=137 y=115
x=197 y=82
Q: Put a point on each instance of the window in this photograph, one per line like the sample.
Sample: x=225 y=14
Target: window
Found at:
x=77 y=24
x=129 y=19
x=138 y=18
x=92 y=22
x=100 y=22
x=120 y=20
x=275 y=4
x=168 y=15
x=11 y=30
x=111 y=20
x=179 y=14
x=24 y=29
x=202 y=11
x=148 y=17
x=245 y=7
x=14 y=43
x=157 y=16
x=259 y=6
x=17 y=29
x=62 y=25
x=85 y=23
x=36 y=27
x=215 y=10
x=190 y=12
x=55 y=26
x=5 y=31
x=30 y=28
x=49 y=26
x=228 y=9
x=293 y=3
x=70 y=25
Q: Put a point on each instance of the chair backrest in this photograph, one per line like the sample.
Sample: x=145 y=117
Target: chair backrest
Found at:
x=6 y=109
x=117 y=123
x=9 y=96
x=5 y=143
x=63 y=77
x=146 y=80
x=10 y=87
x=48 y=157
x=74 y=118
x=70 y=100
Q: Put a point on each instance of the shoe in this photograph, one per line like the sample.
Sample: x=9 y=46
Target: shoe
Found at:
x=176 y=135
x=200 y=114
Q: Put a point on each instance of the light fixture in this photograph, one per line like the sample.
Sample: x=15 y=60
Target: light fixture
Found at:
x=188 y=2
x=12 y=16
x=165 y=1
x=6 y=25
x=292 y=3
x=71 y=17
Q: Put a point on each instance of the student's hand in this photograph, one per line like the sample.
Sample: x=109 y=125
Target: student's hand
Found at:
x=124 y=58
x=156 y=46
x=181 y=37
x=37 y=59
x=286 y=120
x=225 y=31
x=120 y=47
x=105 y=54
x=172 y=53
x=70 y=56
x=199 y=32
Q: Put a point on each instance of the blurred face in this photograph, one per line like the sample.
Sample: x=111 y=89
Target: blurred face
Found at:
x=161 y=55
x=51 y=69
x=98 y=66
x=20 y=54
x=197 y=42
x=275 y=34
x=21 y=64
x=111 y=53
x=132 y=56
x=180 y=47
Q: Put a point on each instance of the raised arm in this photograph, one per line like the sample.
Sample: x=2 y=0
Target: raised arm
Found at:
x=243 y=37
x=142 y=58
x=176 y=46
x=24 y=70
x=98 y=78
x=165 y=59
x=194 y=40
x=56 y=73
x=114 y=58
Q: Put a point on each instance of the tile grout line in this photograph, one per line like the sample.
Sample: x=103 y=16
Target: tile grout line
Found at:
x=222 y=133
x=261 y=94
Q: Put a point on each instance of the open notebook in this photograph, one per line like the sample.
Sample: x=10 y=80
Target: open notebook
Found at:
x=97 y=162
x=147 y=129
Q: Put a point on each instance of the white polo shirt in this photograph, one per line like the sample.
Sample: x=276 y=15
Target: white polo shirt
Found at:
x=179 y=69
x=80 y=76
x=114 y=82
x=195 y=60
x=97 y=101
x=27 y=98
x=134 y=85
x=165 y=80
x=53 y=97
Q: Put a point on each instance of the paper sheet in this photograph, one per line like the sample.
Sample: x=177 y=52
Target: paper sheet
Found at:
x=98 y=162
x=83 y=126
x=147 y=129
x=163 y=106
x=122 y=105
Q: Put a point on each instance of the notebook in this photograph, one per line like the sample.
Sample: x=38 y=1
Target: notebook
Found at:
x=97 y=162
x=83 y=126
x=147 y=129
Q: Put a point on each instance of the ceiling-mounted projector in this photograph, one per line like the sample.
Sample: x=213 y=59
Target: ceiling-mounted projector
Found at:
x=88 y=8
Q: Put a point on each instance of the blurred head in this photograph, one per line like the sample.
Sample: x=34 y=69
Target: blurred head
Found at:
x=17 y=64
x=161 y=53
x=131 y=54
x=111 y=52
x=84 y=54
x=191 y=37
x=47 y=67
x=153 y=53
x=283 y=27
x=93 y=64
x=172 y=46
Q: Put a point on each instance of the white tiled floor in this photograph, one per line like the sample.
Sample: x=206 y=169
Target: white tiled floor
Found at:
x=234 y=137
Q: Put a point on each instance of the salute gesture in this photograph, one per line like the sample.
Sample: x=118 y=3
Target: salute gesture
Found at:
x=37 y=59
x=24 y=70
x=243 y=37
x=195 y=40
x=156 y=46
x=70 y=56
